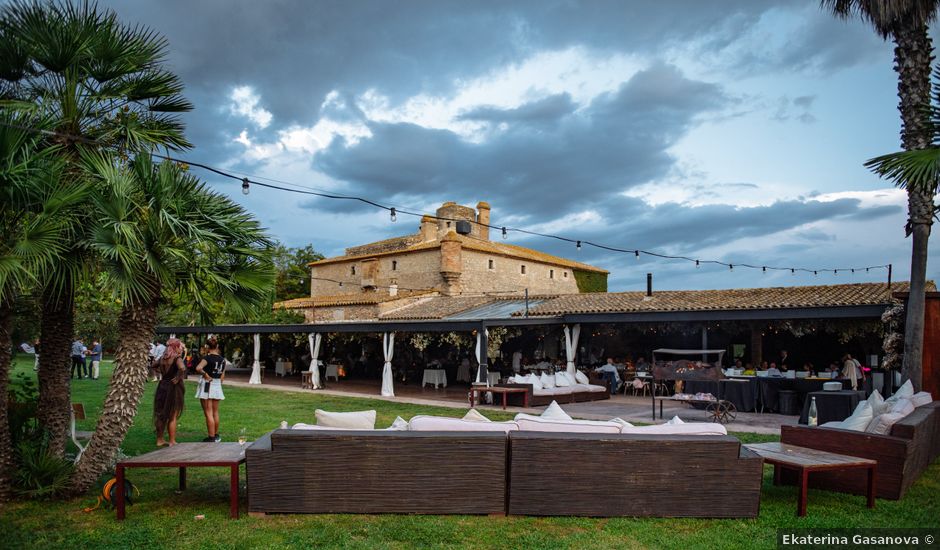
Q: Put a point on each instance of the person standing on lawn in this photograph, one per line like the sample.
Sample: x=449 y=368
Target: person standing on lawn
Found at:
x=78 y=358
x=168 y=402
x=95 y=359
x=211 y=369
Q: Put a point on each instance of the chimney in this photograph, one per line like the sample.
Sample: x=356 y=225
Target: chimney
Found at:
x=483 y=219
x=451 y=264
x=428 y=229
x=393 y=288
x=649 y=284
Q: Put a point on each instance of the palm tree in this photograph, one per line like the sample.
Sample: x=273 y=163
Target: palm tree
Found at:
x=906 y=22
x=102 y=84
x=32 y=230
x=163 y=233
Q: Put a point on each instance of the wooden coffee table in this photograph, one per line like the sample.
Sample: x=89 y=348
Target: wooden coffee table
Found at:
x=498 y=389
x=182 y=456
x=804 y=461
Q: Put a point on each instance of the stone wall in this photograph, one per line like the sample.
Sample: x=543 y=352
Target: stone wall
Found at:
x=412 y=270
x=506 y=274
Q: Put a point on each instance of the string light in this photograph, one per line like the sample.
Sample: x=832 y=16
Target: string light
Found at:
x=730 y=267
x=578 y=246
x=505 y=235
x=246 y=182
x=696 y=264
x=764 y=269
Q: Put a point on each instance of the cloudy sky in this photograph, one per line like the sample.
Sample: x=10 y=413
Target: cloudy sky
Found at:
x=730 y=130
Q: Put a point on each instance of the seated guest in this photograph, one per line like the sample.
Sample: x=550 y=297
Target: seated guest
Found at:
x=834 y=370
x=808 y=367
x=609 y=371
x=642 y=365
x=749 y=369
x=544 y=364
x=763 y=365
x=738 y=364
x=773 y=370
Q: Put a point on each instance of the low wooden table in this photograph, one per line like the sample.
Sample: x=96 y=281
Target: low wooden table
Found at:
x=804 y=461
x=498 y=389
x=187 y=455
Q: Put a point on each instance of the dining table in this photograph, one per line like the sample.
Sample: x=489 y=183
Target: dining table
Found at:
x=438 y=377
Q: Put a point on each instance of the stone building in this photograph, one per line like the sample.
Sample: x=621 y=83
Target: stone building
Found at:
x=452 y=254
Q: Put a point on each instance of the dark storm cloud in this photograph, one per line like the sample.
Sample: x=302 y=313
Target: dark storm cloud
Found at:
x=621 y=139
x=544 y=110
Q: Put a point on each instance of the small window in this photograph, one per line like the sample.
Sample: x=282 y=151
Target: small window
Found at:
x=490 y=264
x=522 y=269
x=551 y=273
x=564 y=274
x=353 y=270
x=394 y=265
x=448 y=224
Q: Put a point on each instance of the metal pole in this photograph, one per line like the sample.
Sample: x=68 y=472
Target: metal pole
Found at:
x=890 y=269
x=527 y=302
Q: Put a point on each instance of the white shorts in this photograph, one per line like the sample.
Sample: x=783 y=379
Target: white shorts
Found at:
x=209 y=389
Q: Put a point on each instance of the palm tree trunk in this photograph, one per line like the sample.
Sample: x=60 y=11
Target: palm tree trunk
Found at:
x=913 y=57
x=137 y=323
x=6 y=442
x=55 y=388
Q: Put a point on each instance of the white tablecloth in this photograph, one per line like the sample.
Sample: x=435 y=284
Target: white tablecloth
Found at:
x=332 y=371
x=494 y=378
x=463 y=373
x=283 y=368
x=434 y=376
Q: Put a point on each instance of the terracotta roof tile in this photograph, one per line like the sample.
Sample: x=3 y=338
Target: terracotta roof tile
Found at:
x=438 y=307
x=362 y=298
x=859 y=294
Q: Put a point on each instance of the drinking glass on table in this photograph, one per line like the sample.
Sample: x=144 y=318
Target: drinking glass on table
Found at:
x=242 y=436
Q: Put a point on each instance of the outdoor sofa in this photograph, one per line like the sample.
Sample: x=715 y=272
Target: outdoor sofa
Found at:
x=571 y=394
x=913 y=444
x=495 y=472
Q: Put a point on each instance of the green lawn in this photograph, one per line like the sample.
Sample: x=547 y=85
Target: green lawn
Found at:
x=163 y=519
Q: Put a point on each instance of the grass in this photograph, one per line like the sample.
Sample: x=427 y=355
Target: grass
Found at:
x=161 y=519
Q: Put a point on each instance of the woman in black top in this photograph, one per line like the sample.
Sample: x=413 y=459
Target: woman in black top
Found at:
x=211 y=370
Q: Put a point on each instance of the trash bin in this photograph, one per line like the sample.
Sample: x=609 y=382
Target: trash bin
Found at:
x=787 y=402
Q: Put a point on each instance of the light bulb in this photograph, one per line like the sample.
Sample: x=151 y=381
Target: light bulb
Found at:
x=730 y=267
x=764 y=269
x=637 y=254
x=394 y=216
x=505 y=236
x=578 y=246
x=245 y=186
x=696 y=264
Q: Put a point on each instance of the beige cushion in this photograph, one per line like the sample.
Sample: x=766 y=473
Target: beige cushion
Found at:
x=474 y=415
x=675 y=420
x=554 y=412
x=359 y=420
x=422 y=423
x=882 y=423
x=690 y=428
x=570 y=426
x=921 y=398
x=535 y=381
x=906 y=391
x=903 y=407
x=398 y=425
x=623 y=423
x=877 y=402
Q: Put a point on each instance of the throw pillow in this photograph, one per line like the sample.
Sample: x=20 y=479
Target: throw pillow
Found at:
x=675 y=420
x=906 y=391
x=570 y=377
x=359 y=420
x=581 y=378
x=903 y=407
x=860 y=418
x=474 y=415
x=534 y=380
x=921 y=398
x=561 y=381
x=554 y=412
x=398 y=425
x=882 y=423
x=547 y=381
x=877 y=402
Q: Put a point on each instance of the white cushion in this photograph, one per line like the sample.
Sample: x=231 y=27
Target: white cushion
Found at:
x=422 y=423
x=359 y=420
x=882 y=423
x=833 y=424
x=921 y=398
x=561 y=380
x=594 y=388
x=547 y=381
x=675 y=420
x=572 y=379
x=903 y=407
x=302 y=426
x=877 y=402
x=554 y=412
x=398 y=425
x=861 y=417
x=581 y=378
x=580 y=388
x=552 y=391
x=690 y=428
x=534 y=380
x=906 y=391
x=575 y=426
x=474 y=415
x=623 y=423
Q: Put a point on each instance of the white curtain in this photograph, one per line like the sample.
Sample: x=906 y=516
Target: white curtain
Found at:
x=479 y=370
x=256 y=366
x=571 y=345
x=388 y=348
x=314 y=339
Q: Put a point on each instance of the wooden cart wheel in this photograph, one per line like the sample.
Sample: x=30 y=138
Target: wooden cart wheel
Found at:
x=728 y=411
x=713 y=411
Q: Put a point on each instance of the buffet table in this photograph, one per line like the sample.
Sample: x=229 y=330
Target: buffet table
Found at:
x=742 y=392
x=831 y=406
x=770 y=387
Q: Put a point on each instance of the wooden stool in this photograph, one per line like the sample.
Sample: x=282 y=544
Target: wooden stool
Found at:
x=306 y=380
